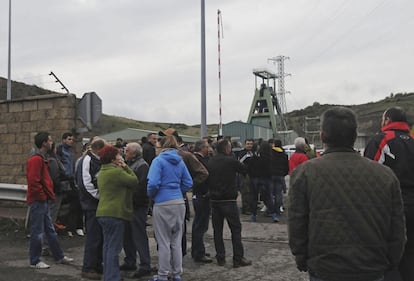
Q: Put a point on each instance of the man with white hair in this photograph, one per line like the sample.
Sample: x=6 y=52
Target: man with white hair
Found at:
x=135 y=237
x=299 y=156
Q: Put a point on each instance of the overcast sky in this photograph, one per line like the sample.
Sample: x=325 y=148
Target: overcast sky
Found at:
x=142 y=57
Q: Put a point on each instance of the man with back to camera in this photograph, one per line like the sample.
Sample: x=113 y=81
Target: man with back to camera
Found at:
x=222 y=169
x=394 y=147
x=345 y=217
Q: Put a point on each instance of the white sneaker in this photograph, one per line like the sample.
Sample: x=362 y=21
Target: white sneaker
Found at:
x=65 y=260
x=80 y=232
x=70 y=234
x=40 y=265
x=264 y=209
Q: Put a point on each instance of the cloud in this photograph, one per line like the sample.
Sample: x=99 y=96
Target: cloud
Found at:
x=143 y=57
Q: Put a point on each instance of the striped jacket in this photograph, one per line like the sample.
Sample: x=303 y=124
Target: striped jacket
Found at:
x=394 y=147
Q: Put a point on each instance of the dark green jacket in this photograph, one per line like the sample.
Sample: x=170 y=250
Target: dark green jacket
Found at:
x=346 y=220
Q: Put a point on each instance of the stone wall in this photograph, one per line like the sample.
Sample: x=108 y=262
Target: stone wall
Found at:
x=21 y=119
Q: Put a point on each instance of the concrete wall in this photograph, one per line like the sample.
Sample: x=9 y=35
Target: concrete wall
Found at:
x=21 y=119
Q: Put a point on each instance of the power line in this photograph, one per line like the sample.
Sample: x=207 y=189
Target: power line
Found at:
x=349 y=31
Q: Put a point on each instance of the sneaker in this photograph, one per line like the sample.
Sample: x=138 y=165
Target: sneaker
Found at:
x=80 y=232
x=70 y=234
x=40 y=265
x=264 y=209
x=91 y=275
x=241 y=262
x=275 y=218
x=253 y=218
x=65 y=260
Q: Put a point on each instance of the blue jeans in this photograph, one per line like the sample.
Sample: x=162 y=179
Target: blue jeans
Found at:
x=202 y=212
x=41 y=222
x=136 y=239
x=278 y=186
x=263 y=186
x=92 y=254
x=227 y=210
x=113 y=233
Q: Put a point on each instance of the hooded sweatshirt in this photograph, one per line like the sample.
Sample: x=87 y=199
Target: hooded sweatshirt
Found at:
x=168 y=177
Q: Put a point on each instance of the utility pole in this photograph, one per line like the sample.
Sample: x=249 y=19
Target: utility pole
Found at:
x=9 y=60
x=219 y=21
x=203 y=126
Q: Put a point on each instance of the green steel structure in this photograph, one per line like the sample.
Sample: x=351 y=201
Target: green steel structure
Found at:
x=265 y=110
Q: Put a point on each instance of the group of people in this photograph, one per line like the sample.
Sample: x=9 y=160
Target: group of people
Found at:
x=347 y=215
x=115 y=190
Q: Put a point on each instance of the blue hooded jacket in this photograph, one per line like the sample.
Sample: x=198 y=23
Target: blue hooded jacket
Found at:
x=168 y=177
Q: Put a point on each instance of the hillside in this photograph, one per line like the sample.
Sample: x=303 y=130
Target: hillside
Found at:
x=369 y=114
x=109 y=123
x=369 y=118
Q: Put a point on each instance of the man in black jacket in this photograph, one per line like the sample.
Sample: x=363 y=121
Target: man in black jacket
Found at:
x=135 y=236
x=222 y=169
x=394 y=147
x=202 y=210
x=279 y=166
x=148 y=148
x=345 y=216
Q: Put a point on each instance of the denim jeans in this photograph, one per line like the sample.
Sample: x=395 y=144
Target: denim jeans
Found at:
x=113 y=234
x=263 y=186
x=277 y=191
x=92 y=254
x=41 y=222
x=202 y=212
x=136 y=239
x=228 y=210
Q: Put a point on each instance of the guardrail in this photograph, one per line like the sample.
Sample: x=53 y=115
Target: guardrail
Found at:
x=13 y=192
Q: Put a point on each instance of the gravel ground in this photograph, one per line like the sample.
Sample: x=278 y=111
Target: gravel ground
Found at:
x=265 y=244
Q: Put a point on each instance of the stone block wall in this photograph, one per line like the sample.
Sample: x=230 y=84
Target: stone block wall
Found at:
x=21 y=119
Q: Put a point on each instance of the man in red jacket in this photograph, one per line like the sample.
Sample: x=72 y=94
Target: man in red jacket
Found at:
x=39 y=193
